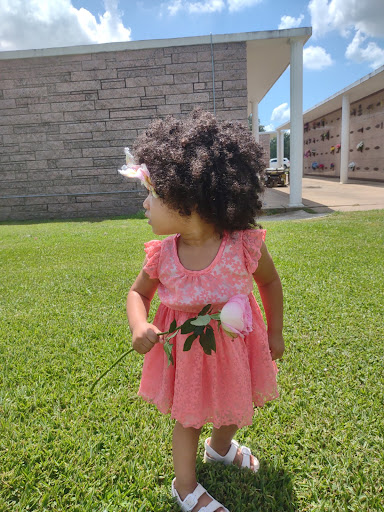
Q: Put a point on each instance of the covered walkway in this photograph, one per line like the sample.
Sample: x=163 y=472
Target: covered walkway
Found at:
x=328 y=194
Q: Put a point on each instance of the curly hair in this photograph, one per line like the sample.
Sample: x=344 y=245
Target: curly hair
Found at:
x=205 y=165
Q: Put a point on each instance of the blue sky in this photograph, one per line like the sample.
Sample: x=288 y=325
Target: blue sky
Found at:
x=347 y=41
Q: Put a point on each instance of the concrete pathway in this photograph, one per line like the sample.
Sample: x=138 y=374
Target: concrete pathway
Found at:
x=325 y=195
x=290 y=215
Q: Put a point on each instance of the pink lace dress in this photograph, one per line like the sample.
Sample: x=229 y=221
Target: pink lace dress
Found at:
x=220 y=388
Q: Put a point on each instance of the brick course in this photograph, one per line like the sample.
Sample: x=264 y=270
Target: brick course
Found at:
x=65 y=120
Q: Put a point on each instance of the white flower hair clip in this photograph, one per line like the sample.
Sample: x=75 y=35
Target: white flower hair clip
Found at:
x=132 y=170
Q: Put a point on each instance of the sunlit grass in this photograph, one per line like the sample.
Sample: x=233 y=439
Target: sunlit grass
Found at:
x=62 y=322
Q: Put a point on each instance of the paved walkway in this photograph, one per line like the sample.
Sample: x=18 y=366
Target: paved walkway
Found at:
x=325 y=195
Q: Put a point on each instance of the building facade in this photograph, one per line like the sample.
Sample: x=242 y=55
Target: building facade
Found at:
x=65 y=120
x=344 y=134
x=66 y=114
x=322 y=141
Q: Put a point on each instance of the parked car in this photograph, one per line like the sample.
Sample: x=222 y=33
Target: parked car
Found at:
x=273 y=163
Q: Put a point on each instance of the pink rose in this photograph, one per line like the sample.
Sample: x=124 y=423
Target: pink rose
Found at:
x=236 y=316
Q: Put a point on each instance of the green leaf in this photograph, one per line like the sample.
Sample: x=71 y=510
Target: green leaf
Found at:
x=189 y=341
x=205 y=310
x=201 y=320
x=199 y=330
x=204 y=342
x=216 y=316
x=210 y=335
x=168 y=350
x=186 y=328
x=173 y=326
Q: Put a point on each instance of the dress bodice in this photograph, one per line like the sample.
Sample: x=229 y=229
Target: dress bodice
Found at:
x=229 y=274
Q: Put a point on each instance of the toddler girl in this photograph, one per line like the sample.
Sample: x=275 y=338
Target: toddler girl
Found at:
x=204 y=179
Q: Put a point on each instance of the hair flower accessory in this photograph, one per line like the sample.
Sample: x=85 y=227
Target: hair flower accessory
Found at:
x=132 y=170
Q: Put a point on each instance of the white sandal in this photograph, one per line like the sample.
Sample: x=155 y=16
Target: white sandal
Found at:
x=211 y=455
x=191 y=500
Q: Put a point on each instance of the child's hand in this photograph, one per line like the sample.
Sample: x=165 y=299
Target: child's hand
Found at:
x=276 y=345
x=144 y=337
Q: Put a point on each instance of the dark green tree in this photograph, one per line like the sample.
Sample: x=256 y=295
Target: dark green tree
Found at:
x=261 y=126
x=287 y=146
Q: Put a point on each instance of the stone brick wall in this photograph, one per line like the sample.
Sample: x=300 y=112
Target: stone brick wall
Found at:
x=65 y=120
x=264 y=141
x=366 y=125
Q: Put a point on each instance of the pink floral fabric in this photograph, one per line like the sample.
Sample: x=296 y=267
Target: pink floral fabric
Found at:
x=220 y=388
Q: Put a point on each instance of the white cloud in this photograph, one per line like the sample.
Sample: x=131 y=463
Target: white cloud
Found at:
x=208 y=6
x=363 y=18
x=195 y=7
x=372 y=53
x=316 y=58
x=174 y=7
x=281 y=113
x=269 y=128
x=290 y=22
x=237 y=5
x=344 y=15
x=31 y=24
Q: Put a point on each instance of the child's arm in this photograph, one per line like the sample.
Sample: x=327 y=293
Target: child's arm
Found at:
x=271 y=292
x=139 y=298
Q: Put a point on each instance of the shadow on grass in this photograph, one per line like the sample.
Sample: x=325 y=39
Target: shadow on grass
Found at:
x=269 y=490
x=138 y=215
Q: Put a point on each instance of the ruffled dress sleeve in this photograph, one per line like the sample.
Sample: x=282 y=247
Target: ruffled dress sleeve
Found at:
x=151 y=263
x=252 y=242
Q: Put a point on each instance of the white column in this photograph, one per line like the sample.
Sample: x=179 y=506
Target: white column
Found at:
x=344 y=150
x=297 y=135
x=279 y=162
x=282 y=147
x=255 y=120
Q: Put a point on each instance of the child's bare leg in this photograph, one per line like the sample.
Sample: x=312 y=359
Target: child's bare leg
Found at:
x=221 y=442
x=185 y=441
x=221 y=438
x=184 y=447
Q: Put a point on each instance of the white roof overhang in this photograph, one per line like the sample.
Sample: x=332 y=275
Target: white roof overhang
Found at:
x=268 y=56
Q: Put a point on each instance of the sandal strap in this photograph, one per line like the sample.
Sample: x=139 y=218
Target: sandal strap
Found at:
x=190 y=501
x=226 y=459
x=212 y=456
x=212 y=507
x=246 y=452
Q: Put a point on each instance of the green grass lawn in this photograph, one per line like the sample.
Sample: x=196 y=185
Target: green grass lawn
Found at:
x=62 y=322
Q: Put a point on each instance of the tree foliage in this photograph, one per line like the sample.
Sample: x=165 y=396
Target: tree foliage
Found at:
x=287 y=146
